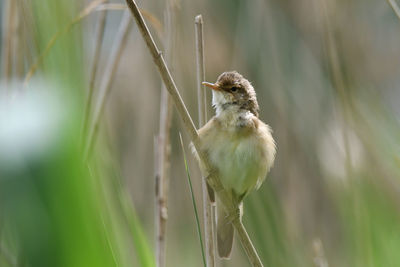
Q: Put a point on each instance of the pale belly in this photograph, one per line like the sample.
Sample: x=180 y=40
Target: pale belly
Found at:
x=240 y=162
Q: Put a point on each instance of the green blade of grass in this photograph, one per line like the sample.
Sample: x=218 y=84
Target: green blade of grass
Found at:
x=193 y=202
x=95 y=5
x=143 y=251
x=85 y=12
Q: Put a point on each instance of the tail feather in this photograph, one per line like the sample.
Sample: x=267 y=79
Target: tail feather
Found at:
x=225 y=233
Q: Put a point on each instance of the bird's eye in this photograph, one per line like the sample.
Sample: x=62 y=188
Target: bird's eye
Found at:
x=234 y=89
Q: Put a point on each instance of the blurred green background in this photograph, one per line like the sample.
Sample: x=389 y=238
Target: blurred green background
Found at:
x=327 y=76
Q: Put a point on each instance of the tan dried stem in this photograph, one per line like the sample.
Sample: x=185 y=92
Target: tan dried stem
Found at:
x=395 y=7
x=163 y=150
x=212 y=175
x=202 y=111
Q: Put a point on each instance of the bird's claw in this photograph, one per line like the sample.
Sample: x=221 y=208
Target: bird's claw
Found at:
x=231 y=216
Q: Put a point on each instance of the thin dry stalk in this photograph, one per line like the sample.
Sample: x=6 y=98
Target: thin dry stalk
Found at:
x=163 y=151
x=395 y=7
x=8 y=31
x=212 y=175
x=202 y=110
x=200 y=67
x=162 y=176
x=101 y=22
x=109 y=74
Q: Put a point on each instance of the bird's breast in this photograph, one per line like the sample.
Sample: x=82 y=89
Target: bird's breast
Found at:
x=242 y=154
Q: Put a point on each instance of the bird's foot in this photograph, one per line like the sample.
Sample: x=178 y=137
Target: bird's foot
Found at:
x=233 y=215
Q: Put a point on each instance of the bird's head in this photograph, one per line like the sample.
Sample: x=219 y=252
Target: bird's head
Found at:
x=232 y=90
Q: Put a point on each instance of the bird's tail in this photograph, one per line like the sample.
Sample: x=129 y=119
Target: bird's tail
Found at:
x=225 y=232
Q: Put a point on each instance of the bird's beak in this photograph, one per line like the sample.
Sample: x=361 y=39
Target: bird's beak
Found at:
x=212 y=86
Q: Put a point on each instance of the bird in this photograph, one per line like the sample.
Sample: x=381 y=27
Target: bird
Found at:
x=239 y=146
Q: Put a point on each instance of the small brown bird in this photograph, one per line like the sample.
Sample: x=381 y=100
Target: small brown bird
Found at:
x=238 y=144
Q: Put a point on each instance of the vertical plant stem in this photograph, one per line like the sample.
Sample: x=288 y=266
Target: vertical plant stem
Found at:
x=162 y=177
x=201 y=101
x=101 y=22
x=163 y=151
x=211 y=172
x=105 y=86
x=200 y=70
x=164 y=71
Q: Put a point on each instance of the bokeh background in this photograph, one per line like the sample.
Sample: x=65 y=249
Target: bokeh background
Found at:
x=327 y=75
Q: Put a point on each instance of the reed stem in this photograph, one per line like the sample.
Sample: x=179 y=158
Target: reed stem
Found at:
x=395 y=7
x=163 y=151
x=202 y=110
